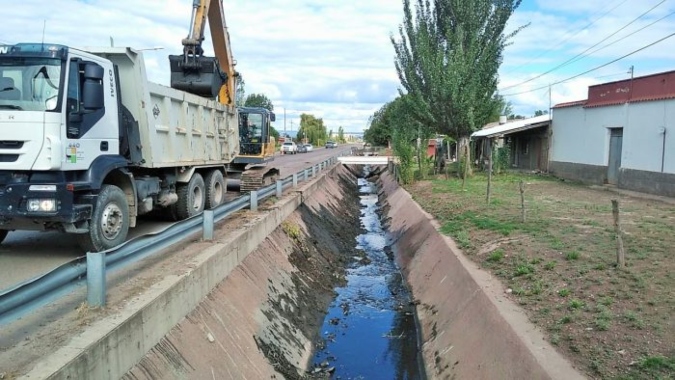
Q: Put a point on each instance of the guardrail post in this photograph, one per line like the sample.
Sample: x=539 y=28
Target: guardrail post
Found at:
x=96 y=279
x=207 y=225
x=313 y=171
x=254 y=200
x=295 y=180
x=306 y=177
x=280 y=188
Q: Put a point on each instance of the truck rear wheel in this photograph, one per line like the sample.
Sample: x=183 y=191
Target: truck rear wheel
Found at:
x=3 y=235
x=191 y=198
x=215 y=189
x=109 y=224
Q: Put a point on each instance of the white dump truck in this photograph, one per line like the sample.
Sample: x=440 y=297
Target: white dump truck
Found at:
x=87 y=143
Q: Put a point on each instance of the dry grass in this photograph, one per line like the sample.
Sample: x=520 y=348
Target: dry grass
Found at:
x=560 y=265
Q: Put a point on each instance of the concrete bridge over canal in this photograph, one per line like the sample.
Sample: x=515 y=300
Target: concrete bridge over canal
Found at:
x=364 y=160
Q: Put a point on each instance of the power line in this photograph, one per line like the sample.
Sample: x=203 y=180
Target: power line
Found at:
x=628 y=35
x=568 y=37
x=595 y=68
x=582 y=53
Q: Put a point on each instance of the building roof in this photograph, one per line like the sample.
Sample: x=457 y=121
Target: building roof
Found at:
x=650 y=87
x=513 y=126
x=659 y=86
x=571 y=104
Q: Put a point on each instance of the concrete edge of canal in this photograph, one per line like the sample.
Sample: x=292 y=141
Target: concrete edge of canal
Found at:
x=469 y=328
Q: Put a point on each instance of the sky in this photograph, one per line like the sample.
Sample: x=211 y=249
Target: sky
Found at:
x=335 y=60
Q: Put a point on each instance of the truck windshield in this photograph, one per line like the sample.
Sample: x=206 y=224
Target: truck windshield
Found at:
x=30 y=84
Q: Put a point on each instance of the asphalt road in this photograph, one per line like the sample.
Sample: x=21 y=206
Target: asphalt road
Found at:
x=26 y=254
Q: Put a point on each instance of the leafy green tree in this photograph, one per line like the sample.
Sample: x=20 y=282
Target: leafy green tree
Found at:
x=240 y=89
x=447 y=60
x=259 y=100
x=540 y=112
x=313 y=129
x=341 y=135
x=504 y=108
x=379 y=130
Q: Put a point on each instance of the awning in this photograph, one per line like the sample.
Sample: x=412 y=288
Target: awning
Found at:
x=513 y=127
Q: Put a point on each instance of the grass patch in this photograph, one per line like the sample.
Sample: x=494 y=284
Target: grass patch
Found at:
x=496 y=256
x=574 y=255
x=292 y=230
x=560 y=263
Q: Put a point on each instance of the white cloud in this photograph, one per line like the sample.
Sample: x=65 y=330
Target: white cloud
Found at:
x=335 y=59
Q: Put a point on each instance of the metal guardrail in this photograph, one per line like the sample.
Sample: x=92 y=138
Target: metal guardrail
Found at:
x=25 y=297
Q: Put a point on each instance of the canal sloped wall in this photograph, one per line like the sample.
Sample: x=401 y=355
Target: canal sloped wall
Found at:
x=247 y=305
x=469 y=329
x=262 y=321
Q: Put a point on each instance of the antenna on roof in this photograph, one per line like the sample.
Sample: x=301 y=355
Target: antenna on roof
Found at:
x=44 y=27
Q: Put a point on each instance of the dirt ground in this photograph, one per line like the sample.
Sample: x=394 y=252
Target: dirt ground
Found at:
x=560 y=265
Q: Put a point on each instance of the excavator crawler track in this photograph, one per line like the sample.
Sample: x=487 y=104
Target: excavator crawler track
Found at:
x=257 y=177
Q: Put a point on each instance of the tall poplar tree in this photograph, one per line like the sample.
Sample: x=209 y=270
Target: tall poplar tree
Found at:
x=447 y=60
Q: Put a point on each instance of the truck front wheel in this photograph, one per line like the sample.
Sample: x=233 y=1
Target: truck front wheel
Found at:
x=3 y=235
x=109 y=224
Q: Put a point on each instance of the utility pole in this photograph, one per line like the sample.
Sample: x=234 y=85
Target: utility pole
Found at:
x=284 y=120
x=631 y=71
x=550 y=106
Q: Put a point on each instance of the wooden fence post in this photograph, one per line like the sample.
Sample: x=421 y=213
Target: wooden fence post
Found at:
x=620 y=255
x=522 y=201
x=489 y=183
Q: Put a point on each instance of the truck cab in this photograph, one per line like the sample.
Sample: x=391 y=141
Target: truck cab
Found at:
x=58 y=135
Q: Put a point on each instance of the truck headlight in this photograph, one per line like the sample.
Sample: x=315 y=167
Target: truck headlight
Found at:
x=41 y=205
x=42 y=188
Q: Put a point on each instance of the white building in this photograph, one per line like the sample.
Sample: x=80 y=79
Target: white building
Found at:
x=623 y=135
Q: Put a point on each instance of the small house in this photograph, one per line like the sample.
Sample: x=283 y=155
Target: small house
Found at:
x=526 y=139
x=622 y=135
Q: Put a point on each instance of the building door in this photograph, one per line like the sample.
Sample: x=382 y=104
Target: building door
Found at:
x=615 y=143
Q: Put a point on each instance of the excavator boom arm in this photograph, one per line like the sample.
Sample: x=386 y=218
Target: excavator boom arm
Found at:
x=206 y=76
x=222 y=49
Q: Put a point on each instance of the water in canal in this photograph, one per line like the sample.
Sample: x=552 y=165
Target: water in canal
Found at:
x=370 y=329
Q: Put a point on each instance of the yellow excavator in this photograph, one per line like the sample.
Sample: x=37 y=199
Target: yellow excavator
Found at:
x=215 y=78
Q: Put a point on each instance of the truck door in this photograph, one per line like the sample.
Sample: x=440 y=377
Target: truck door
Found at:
x=91 y=113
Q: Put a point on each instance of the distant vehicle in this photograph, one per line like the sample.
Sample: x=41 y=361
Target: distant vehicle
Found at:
x=302 y=148
x=309 y=147
x=331 y=144
x=289 y=147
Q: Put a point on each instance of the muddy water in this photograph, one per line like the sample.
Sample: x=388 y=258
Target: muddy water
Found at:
x=370 y=329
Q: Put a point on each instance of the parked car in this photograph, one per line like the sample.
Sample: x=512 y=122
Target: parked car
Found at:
x=289 y=147
x=331 y=144
x=309 y=147
x=302 y=148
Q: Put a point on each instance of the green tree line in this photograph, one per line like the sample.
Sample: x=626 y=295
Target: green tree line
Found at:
x=447 y=56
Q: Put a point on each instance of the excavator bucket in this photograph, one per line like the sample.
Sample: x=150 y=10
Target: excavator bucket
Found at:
x=197 y=75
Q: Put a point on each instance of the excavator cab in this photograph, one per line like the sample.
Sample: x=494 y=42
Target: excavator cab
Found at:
x=255 y=139
x=256 y=149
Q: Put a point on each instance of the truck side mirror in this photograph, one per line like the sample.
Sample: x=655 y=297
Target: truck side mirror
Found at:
x=92 y=91
x=273 y=117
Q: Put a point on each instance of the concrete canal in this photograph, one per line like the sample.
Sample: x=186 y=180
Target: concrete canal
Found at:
x=370 y=329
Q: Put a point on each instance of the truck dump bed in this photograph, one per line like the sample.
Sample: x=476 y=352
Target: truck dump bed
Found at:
x=176 y=128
